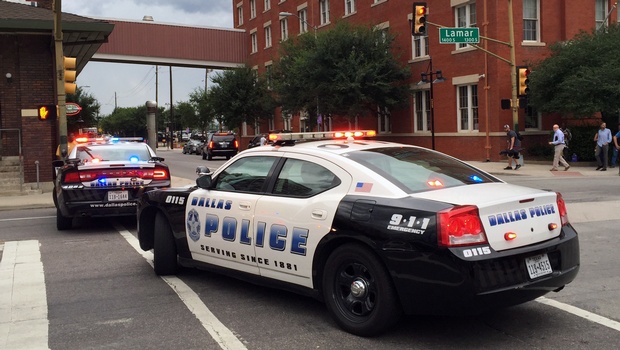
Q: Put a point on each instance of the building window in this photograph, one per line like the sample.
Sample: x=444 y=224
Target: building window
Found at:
x=254 y=38
x=267 y=36
x=268 y=74
x=252 y=9
x=385 y=124
x=324 y=8
x=240 y=15
x=303 y=20
x=600 y=13
x=283 y=29
x=465 y=17
x=267 y=5
x=531 y=21
x=422 y=110
x=468 y=107
x=420 y=46
x=349 y=7
x=532 y=118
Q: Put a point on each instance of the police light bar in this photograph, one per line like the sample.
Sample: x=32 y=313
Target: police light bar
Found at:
x=325 y=135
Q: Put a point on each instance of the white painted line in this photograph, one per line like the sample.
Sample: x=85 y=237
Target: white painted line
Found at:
x=604 y=321
x=23 y=298
x=220 y=333
x=29 y=218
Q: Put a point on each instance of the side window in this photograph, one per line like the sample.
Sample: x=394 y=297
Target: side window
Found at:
x=300 y=178
x=245 y=175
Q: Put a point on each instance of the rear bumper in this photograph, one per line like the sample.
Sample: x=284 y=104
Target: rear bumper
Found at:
x=442 y=283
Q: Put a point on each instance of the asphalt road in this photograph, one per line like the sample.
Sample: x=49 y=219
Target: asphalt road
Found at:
x=101 y=293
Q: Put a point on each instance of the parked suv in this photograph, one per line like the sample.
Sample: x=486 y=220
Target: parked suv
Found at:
x=220 y=145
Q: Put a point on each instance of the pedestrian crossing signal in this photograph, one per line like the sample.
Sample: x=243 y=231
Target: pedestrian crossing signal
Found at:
x=46 y=112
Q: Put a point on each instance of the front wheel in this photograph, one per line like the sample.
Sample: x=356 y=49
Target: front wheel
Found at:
x=164 y=248
x=359 y=292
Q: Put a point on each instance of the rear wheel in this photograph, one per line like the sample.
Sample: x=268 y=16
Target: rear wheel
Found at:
x=164 y=248
x=359 y=292
x=63 y=222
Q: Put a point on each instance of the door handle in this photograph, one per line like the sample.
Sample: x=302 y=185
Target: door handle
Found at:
x=244 y=206
x=319 y=214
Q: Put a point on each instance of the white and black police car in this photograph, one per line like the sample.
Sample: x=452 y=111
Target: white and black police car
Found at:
x=105 y=177
x=374 y=229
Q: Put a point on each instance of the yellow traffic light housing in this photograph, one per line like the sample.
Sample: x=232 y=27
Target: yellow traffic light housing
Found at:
x=46 y=112
x=69 y=64
x=523 y=84
x=419 y=19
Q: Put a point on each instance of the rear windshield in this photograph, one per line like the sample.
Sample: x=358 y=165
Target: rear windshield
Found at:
x=417 y=169
x=223 y=137
x=115 y=152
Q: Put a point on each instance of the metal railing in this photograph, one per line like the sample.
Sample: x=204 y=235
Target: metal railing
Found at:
x=19 y=150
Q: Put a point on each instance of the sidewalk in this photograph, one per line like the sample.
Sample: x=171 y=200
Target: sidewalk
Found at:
x=538 y=169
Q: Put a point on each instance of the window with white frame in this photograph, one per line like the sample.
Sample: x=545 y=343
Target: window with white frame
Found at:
x=303 y=20
x=349 y=7
x=422 y=110
x=254 y=39
x=324 y=8
x=268 y=36
x=531 y=21
x=465 y=16
x=600 y=7
x=252 y=9
x=385 y=123
x=283 y=29
x=468 y=107
x=240 y=14
x=286 y=121
x=532 y=118
x=420 y=46
x=267 y=5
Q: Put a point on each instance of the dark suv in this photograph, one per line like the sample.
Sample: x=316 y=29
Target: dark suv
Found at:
x=220 y=145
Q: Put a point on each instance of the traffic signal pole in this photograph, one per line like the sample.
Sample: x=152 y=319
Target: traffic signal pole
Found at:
x=60 y=81
x=513 y=70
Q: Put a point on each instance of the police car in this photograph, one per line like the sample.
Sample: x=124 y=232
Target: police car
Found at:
x=105 y=177
x=374 y=229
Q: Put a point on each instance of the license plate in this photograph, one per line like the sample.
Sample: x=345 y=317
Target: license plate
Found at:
x=115 y=196
x=538 y=265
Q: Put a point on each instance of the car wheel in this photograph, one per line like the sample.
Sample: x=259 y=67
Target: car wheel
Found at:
x=359 y=292
x=183 y=151
x=164 y=248
x=63 y=222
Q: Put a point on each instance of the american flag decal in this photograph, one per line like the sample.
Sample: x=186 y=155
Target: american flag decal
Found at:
x=363 y=187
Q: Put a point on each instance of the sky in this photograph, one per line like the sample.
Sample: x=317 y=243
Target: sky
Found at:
x=135 y=84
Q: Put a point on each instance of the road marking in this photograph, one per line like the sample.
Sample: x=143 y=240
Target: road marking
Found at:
x=23 y=298
x=581 y=313
x=28 y=218
x=220 y=333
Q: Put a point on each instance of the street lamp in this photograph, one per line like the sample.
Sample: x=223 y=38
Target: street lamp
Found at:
x=427 y=77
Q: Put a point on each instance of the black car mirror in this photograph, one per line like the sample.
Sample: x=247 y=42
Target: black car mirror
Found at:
x=58 y=163
x=204 y=181
x=157 y=159
x=202 y=170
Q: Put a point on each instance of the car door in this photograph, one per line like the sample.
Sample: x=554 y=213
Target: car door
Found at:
x=220 y=220
x=292 y=219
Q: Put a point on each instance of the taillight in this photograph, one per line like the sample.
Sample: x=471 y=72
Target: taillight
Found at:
x=459 y=226
x=236 y=144
x=562 y=209
x=211 y=144
x=71 y=177
x=160 y=173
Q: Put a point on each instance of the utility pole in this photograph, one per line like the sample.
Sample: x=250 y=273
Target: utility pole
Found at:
x=60 y=79
x=513 y=71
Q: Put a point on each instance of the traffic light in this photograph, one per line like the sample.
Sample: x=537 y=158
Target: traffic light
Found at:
x=523 y=85
x=69 y=64
x=47 y=112
x=419 y=19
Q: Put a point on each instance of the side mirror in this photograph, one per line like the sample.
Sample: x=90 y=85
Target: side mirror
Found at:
x=202 y=170
x=157 y=159
x=58 y=163
x=204 y=181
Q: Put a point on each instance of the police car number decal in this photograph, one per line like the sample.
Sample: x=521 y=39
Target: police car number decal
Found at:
x=409 y=224
x=175 y=200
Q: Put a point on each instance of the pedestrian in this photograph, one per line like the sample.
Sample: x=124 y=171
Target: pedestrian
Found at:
x=263 y=140
x=614 y=157
x=513 y=148
x=602 y=138
x=558 y=143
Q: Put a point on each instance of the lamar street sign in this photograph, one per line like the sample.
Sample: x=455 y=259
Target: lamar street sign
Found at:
x=459 y=35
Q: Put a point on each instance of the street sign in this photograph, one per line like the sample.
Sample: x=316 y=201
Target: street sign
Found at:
x=463 y=35
x=73 y=109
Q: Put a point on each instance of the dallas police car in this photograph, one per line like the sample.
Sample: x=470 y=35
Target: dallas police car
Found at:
x=105 y=177
x=372 y=228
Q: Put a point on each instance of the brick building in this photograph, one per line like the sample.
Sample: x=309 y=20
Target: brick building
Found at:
x=467 y=111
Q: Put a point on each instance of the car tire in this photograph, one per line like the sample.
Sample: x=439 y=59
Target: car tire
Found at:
x=371 y=309
x=63 y=222
x=164 y=248
x=183 y=151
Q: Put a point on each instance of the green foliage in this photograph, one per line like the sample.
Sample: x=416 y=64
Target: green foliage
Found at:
x=205 y=114
x=350 y=71
x=129 y=122
x=580 y=77
x=240 y=96
x=89 y=113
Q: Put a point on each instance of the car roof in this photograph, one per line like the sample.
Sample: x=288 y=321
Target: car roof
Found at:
x=330 y=147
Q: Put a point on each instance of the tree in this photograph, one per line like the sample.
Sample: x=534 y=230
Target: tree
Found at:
x=90 y=110
x=185 y=115
x=200 y=99
x=126 y=121
x=350 y=70
x=580 y=77
x=241 y=96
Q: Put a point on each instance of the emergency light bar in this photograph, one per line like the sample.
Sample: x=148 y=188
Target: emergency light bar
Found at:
x=325 y=135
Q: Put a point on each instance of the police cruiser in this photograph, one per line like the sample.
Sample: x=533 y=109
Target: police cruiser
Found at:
x=374 y=229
